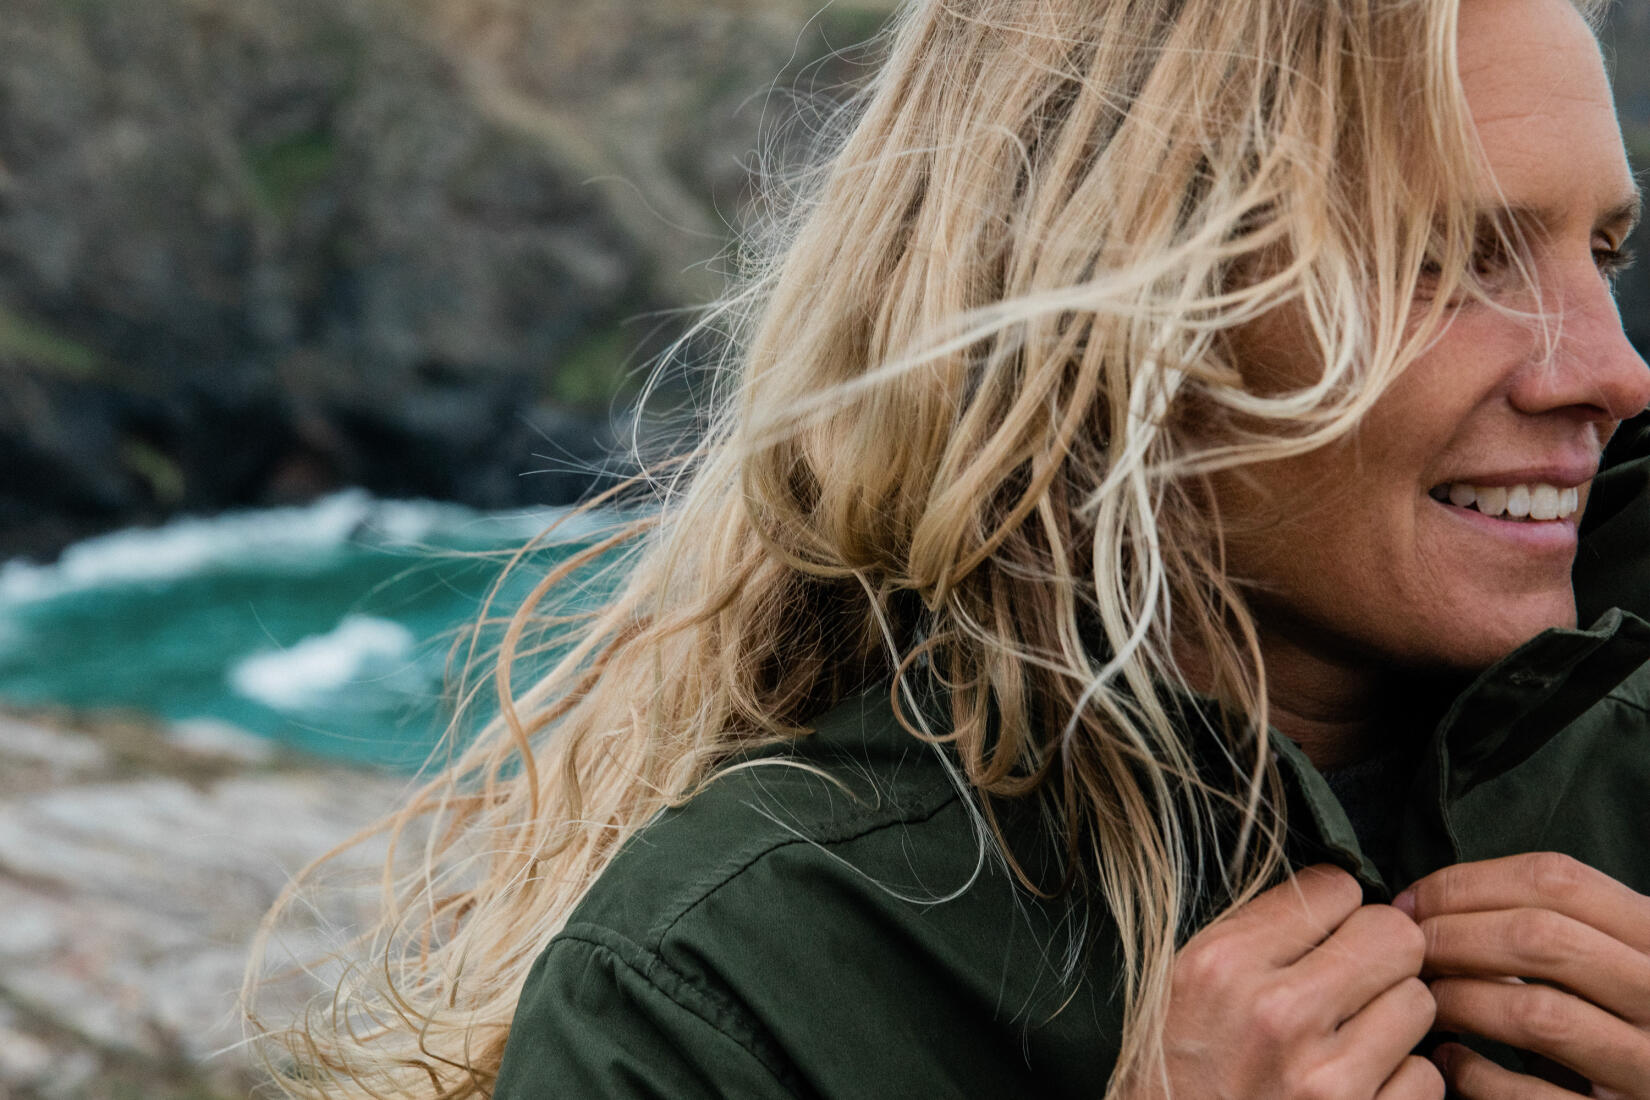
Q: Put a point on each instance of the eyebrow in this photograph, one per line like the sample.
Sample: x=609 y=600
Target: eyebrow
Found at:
x=1627 y=212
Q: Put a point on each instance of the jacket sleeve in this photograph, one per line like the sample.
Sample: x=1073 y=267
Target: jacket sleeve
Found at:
x=602 y=1020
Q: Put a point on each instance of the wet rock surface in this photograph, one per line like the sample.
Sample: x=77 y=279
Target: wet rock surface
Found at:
x=135 y=864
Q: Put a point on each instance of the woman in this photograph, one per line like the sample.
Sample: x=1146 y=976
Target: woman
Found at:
x=1153 y=450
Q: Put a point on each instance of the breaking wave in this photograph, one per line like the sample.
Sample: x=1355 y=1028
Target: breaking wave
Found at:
x=293 y=538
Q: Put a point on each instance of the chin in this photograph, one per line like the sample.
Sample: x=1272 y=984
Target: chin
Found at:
x=1477 y=649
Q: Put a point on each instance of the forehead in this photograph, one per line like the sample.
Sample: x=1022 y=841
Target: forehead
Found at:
x=1535 y=84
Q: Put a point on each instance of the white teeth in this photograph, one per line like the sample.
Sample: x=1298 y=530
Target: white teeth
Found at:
x=1543 y=502
x=1537 y=501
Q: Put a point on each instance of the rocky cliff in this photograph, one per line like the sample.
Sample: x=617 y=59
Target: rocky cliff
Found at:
x=254 y=249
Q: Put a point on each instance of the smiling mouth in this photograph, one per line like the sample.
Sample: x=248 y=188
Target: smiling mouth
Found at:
x=1536 y=502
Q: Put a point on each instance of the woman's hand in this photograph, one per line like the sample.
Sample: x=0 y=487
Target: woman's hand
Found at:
x=1303 y=993
x=1584 y=936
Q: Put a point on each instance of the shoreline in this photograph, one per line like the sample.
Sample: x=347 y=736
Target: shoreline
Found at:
x=136 y=860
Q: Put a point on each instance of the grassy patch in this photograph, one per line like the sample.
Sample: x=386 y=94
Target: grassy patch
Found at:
x=159 y=471
x=285 y=171
x=38 y=345
x=593 y=375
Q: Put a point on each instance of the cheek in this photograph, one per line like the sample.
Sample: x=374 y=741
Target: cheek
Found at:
x=1305 y=535
x=1317 y=529
x=1344 y=548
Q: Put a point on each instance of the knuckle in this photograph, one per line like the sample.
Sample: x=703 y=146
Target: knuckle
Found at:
x=1416 y=1078
x=1205 y=966
x=1347 y=890
x=1467 y=1076
x=1334 y=886
x=1537 y=936
x=1324 y=1081
x=1438 y=891
x=1417 y=1001
x=1542 y=1014
x=1554 y=875
x=1279 y=1014
x=1382 y=920
x=1398 y=938
x=1428 y=1079
x=1408 y=939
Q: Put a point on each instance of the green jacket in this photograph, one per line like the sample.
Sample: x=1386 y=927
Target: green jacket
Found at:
x=788 y=935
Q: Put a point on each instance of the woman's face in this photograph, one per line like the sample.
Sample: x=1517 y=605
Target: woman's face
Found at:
x=1379 y=559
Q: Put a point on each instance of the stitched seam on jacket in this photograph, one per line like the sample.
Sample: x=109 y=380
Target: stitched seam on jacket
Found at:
x=715 y=1011
x=780 y=843
x=1614 y=697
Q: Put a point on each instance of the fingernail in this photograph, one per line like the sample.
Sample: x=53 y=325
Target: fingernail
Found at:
x=1405 y=903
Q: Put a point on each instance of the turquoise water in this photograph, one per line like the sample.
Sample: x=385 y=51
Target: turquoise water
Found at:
x=325 y=627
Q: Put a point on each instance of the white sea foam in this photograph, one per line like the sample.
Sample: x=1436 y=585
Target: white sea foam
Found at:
x=272 y=538
x=361 y=656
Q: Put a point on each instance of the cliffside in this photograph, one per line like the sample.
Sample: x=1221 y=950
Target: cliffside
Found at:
x=254 y=249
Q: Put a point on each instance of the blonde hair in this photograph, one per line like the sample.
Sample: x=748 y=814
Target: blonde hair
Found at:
x=976 y=388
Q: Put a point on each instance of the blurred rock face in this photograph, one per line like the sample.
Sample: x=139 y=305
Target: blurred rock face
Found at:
x=253 y=249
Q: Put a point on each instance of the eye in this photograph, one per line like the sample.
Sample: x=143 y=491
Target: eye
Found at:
x=1489 y=266
x=1613 y=261
x=1491 y=257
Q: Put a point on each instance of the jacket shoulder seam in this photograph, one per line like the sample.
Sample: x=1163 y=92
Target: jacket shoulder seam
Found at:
x=926 y=814
x=720 y=1014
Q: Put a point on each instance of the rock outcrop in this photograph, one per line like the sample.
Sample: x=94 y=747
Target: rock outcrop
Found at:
x=255 y=249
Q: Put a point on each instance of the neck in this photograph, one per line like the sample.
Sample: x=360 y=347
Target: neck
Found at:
x=1339 y=708
x=1335 y=720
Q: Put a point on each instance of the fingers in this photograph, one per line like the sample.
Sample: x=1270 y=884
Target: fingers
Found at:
x=1605 y=1049
x=1474 y=1077
x=1302 y=991
x=1540 y=943
x=1374 y=949
x=1378 y=1038
x=1538 y=880
x=1284 y=923
x=1415 y=1079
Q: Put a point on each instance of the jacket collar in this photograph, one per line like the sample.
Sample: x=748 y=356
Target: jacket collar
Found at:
x=1497 y=723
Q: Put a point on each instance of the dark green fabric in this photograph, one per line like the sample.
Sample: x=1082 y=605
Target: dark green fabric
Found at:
x=1610 y=568
x=789 y=935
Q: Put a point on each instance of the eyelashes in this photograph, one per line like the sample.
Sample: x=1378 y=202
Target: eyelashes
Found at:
x=1492 y=264
x=1613 y=261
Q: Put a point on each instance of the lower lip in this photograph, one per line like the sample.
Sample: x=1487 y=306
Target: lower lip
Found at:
x=1551 y=535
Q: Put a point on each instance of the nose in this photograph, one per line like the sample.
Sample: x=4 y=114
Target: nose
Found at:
x=1584 y=360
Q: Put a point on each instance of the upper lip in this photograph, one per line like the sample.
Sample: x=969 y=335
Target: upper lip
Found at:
x=1567 y=475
